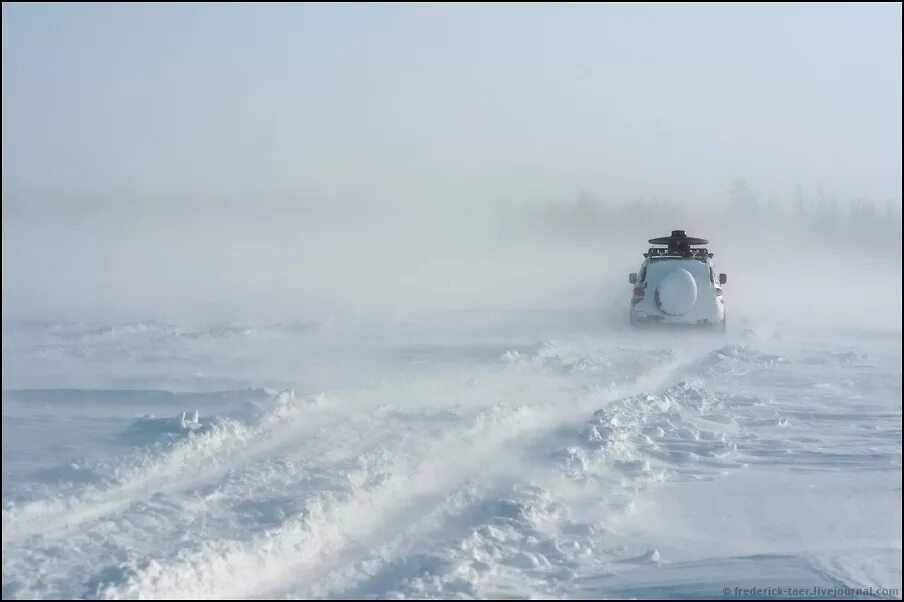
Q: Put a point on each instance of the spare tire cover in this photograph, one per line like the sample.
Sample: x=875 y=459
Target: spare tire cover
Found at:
x=677 y=293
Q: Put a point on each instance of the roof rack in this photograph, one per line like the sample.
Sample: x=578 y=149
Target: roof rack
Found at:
x=678 y=244
x=657 y=252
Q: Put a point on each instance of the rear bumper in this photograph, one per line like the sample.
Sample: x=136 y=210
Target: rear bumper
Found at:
x=644 y=320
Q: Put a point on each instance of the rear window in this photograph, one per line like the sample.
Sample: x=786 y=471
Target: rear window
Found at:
x=659 y=268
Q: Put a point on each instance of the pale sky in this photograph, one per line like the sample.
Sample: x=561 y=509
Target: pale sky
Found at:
x=448 y=103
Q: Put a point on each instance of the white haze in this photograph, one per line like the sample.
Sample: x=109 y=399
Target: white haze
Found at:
x=818 y=264
x=314 y=160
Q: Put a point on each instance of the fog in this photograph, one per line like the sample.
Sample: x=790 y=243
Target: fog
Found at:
x=253 y=162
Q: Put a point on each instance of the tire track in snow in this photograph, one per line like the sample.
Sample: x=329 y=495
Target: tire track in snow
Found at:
x=309 y=545
x=385 y=568
x=184 y=470
x=202 y=458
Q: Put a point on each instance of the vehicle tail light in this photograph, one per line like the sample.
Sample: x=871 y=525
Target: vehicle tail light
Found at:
x=638 y=292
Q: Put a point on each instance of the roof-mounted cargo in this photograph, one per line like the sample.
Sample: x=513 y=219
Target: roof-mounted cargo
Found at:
x=678 y=245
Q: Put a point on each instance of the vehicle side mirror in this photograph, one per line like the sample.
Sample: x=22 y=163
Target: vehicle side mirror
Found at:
x=632 y=277
x=723 y=278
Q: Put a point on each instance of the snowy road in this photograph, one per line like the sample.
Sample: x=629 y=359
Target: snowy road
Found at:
x=527 y=455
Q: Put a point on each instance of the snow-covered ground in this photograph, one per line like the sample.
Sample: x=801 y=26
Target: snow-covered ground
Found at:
x=519 y=454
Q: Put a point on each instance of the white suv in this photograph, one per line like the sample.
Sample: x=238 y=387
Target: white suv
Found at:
x=678 y=285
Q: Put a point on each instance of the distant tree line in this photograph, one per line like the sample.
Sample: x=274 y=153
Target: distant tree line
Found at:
x=819 y=218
